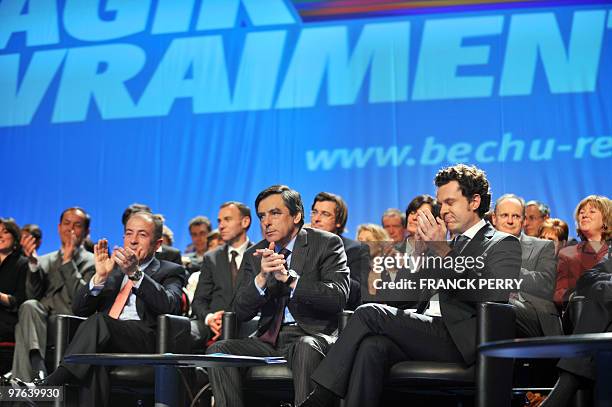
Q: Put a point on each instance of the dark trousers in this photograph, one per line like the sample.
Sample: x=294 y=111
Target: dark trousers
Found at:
x=595 y=317
x=376 y=337
x=102 y=334
x=302 y=351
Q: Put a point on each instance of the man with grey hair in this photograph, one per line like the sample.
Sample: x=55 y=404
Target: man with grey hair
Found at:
x=394 y=222
x=536 y=314
x=535 y=214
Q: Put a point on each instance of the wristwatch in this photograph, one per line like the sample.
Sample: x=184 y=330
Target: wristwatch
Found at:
x=292 y=277
x=136 y=276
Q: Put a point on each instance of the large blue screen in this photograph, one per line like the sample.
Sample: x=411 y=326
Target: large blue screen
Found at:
x=184 y=104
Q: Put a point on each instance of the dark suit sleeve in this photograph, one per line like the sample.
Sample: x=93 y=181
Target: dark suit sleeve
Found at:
x=204 y=290
x=36 y=283
x=17 y=297
x=164 y=298
x=329 y=293
x=596 y=283
x=359 y=265
x=84 y=304
x=541 y=280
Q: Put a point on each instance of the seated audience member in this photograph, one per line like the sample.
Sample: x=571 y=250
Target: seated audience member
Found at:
x=596 y=317
x=556 y=230
x=297 y=278
x=167 y=236
x=378 y=336
x=165 y=252
x=13 y=273
x=593 y=218
x=34 y=231
x=51 y=285
x=379 y=242
x=394 y=222
x=329 y=212
x=535 y=213
x=536 y=314
x=199 y=228
x=220 y=280
x=129 y=290
x=214 y=240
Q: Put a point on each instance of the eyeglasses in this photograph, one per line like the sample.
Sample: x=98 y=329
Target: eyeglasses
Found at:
x=323 y=214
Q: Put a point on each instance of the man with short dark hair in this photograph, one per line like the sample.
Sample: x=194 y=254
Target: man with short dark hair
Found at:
x=536 y=314
x=378 y=336
x=51 y=287
x=297 y=278
x=129 y=290
x=220 y=279
x=329 y=212
x=199 y=228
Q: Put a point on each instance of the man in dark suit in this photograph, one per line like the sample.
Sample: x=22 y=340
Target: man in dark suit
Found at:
x=378 y=336
x=297 y=278
x=219 y=279
x=596 y=317
x=536 y=314
x=50 y=286
x=329 y=212
x=129 y=291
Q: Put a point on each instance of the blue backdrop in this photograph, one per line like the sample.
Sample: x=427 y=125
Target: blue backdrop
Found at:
x=184 y=104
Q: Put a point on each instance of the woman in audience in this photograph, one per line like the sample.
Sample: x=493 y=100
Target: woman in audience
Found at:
x=594 y=226
x=556 y=230
x=13 y=272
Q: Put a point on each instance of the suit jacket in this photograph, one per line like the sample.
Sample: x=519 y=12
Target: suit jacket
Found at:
x=321 y=291
x=169 y=253
x=358 y=261
x=159 y=292
x=538 y=271
x=215 y=291
x=501 y=254
x=56 y=284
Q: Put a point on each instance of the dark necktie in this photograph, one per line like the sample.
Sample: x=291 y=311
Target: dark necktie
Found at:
x=234 y=267
x=271 y=335
x=459 y=242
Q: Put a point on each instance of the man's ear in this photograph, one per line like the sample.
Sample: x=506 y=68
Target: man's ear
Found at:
x=298 y=218
x=158 y=244
x=245 y=222
x=475 y=202
x=494 y=219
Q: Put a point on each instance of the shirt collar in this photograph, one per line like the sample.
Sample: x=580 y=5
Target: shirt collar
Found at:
x=240 y=249
x=289 y=245
x=471 y=232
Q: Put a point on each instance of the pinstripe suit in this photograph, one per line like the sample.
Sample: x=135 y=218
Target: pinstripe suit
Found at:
x=320 y=294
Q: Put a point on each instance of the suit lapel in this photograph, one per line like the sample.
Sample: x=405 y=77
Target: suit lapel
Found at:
x=300 y=251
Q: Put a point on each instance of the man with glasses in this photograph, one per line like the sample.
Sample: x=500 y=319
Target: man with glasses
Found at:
x=329 y=212
x=536 y=314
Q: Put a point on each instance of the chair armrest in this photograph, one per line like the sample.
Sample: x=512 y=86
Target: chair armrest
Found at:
x=343 y=318
x=496 y=322
x=173 y=334
x=66 y=326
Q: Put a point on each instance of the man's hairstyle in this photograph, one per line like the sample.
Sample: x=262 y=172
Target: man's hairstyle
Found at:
x=133 y=208
x=11 y=226
x=604 y=205
x=511 y=196
x=542 y=208
x=419 y=201
x=34 y=230
x=168 y=234
x=472 y=181
x=291 y=198
x=87 y=218
x=158 y=223
x=244 y=210
x=200 y=220
x=394 y=212
x=341 y=211
x=557 y=226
